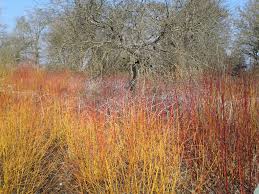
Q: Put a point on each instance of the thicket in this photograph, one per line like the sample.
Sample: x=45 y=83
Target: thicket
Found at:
x=59 y=135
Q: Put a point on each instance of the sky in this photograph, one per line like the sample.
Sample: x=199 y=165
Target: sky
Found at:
x=11 y=9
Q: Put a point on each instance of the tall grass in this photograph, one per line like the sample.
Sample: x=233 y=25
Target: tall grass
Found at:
x=191 y=137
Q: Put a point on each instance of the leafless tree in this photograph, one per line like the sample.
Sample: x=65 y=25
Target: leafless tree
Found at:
x=29 y=32
x=248 y=26
x=162 y=37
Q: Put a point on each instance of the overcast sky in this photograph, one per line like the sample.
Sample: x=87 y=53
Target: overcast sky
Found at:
x=11 y=9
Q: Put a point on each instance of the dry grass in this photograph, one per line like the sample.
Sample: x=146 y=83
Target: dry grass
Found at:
x=186 y=138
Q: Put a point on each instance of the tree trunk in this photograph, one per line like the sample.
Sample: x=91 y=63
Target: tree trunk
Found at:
x=134 y=72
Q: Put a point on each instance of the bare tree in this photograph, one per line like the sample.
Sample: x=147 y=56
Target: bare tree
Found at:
x=248 y=25
x=162 y=37
x=30 y=30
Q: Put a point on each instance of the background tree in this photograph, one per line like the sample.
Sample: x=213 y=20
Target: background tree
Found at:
x=7 y=47
x=29 y=32
x=161 y=37
x=248 y=26
x=24 y=42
